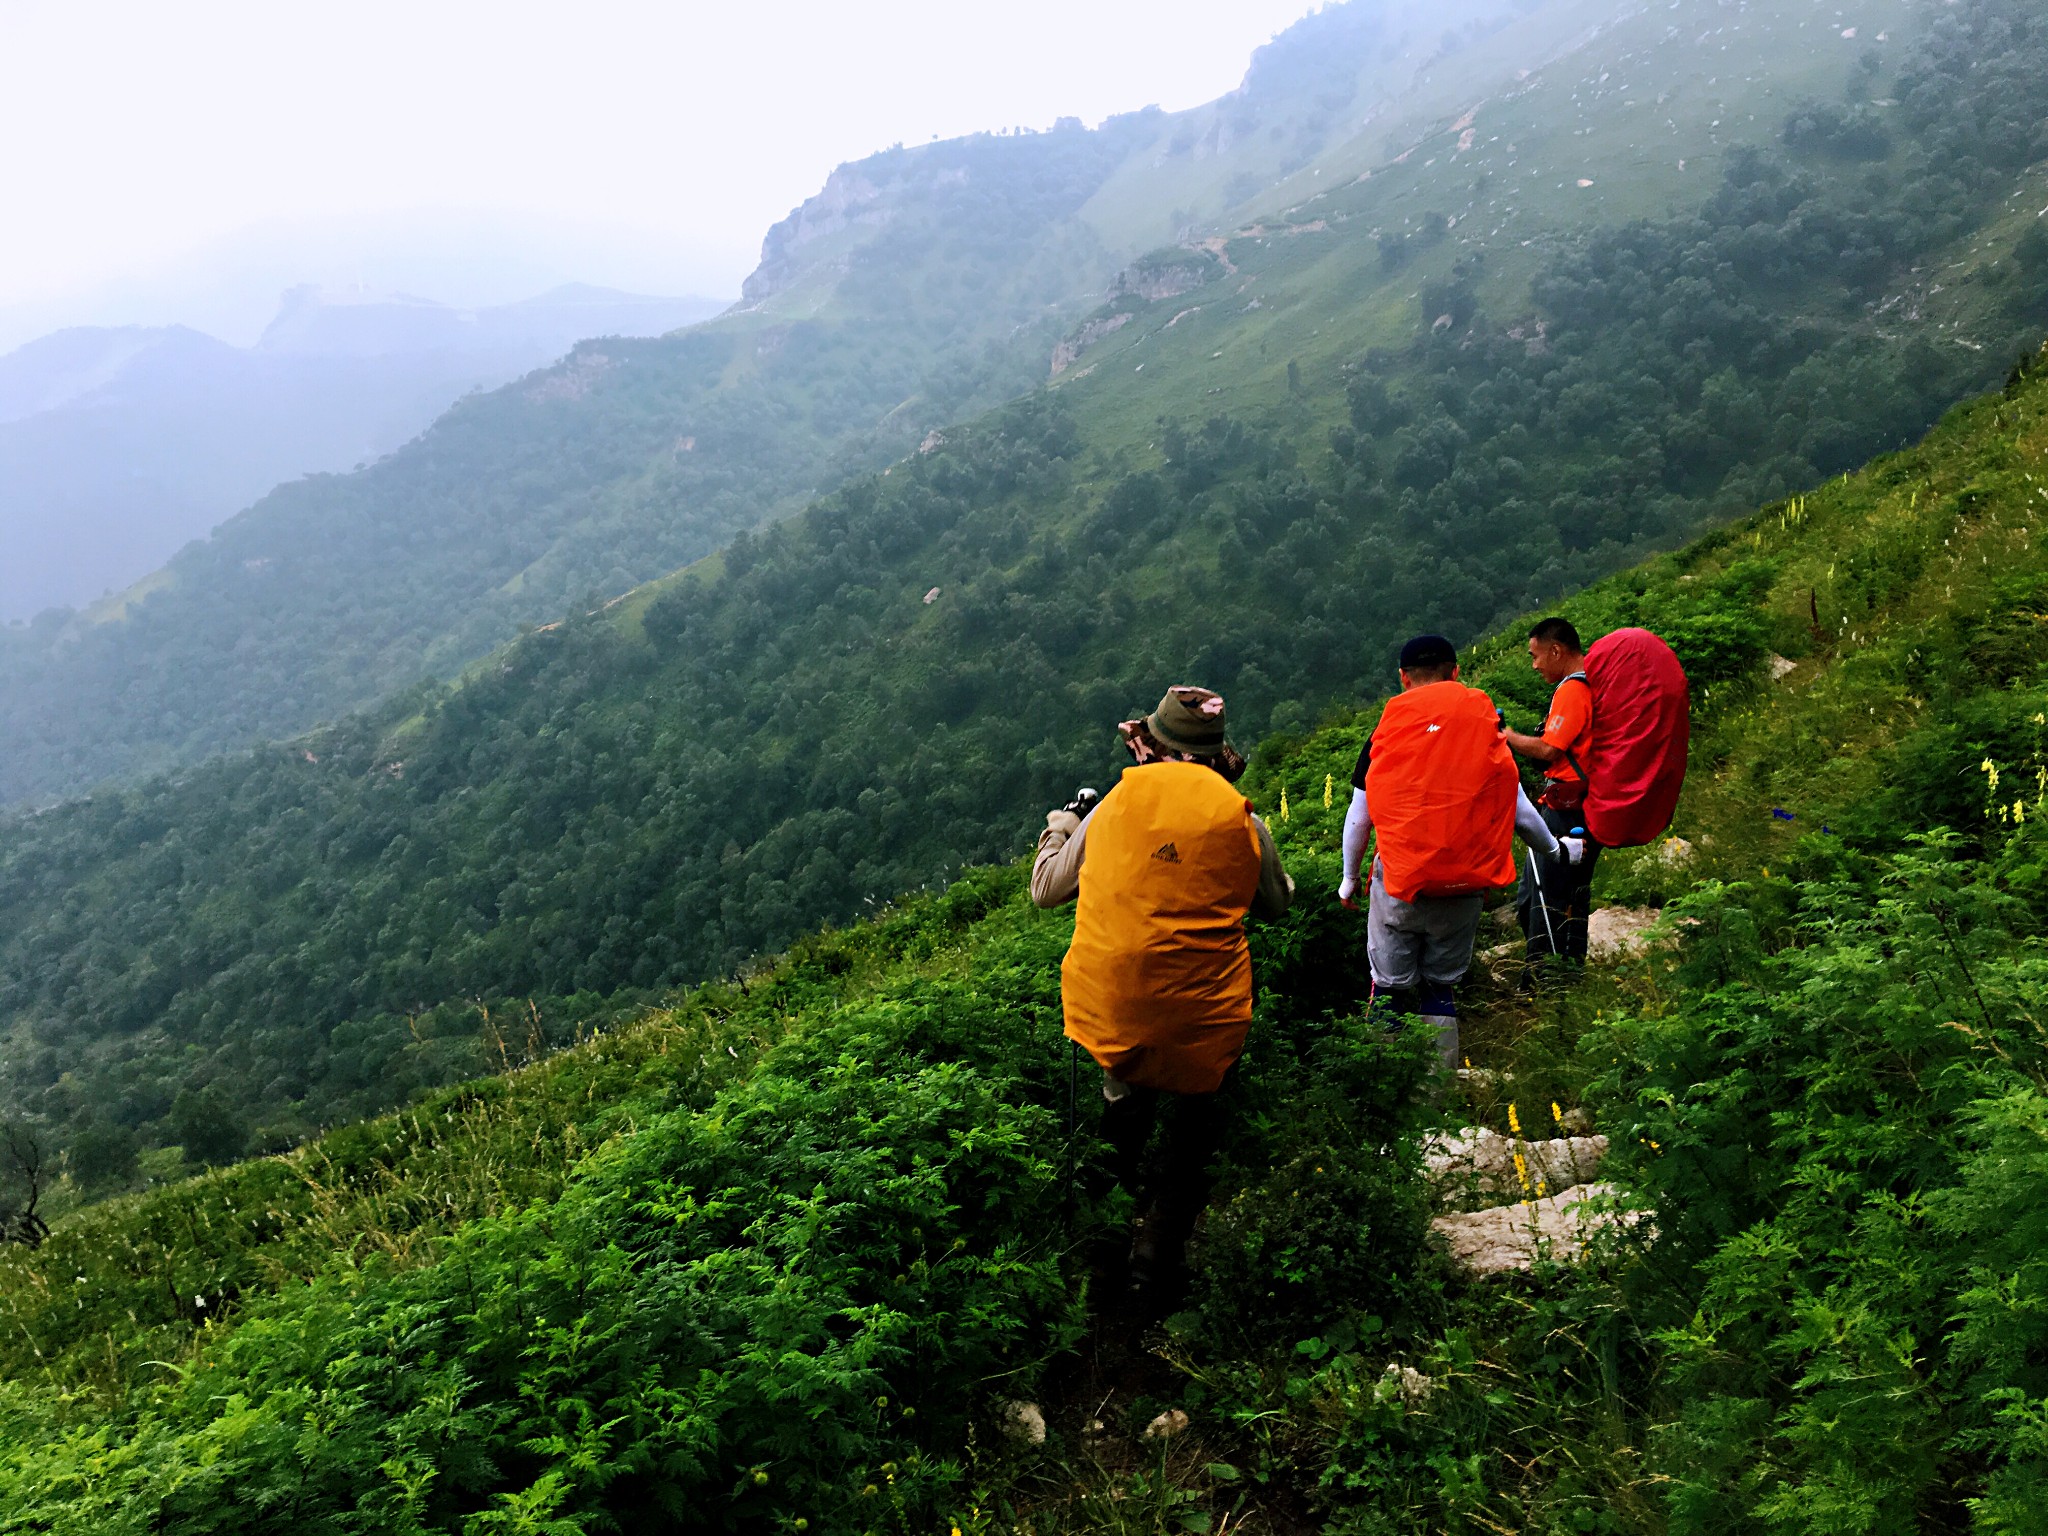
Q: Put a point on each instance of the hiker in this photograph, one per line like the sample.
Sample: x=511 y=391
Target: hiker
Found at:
x=1157 y=984
x=1438 y=783
x=1555 y=903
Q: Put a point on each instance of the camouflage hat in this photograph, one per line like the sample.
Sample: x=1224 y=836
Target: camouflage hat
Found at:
x=1188 y=720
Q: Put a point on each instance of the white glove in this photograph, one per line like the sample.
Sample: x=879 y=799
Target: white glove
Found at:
x=1347 y=890
x=1066 y=823
x=1572 y=849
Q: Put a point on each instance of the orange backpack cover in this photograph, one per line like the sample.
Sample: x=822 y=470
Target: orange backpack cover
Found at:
x=1441 y=789
x=1157 y=985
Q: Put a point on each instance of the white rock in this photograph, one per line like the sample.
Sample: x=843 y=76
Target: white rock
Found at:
x=1481 y=1162
x=1780 y=666
x=1167 y=1425
x=1674 y=852
x=1406 y=1383
x=1615 y=933
x=1515 y=1236
x=1024 y=1423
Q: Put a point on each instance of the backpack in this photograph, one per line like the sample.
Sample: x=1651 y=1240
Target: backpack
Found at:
x=1642 y=726
x=1442 y=788
x=1157 y=984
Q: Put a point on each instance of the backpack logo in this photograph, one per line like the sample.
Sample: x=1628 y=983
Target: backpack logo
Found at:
x=1432 y=730
x=1167 y=854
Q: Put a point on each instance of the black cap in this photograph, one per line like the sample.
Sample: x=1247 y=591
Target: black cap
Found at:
x=1429 y=653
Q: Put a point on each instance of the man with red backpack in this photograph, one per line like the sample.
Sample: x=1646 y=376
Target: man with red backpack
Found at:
x=1615 y=746
x=1438 y=783
x=1555 y=903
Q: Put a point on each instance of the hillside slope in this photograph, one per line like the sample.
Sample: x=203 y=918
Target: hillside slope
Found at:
x=923 y=285
x=648 y=795
x=781 y=1253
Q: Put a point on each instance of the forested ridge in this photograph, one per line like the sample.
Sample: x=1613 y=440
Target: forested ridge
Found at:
x=784 y=1253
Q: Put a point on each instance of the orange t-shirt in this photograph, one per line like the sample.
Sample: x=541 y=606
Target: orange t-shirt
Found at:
x=1570 y=726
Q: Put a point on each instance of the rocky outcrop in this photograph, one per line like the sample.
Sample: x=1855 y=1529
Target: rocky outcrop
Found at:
x=847 y=198
x=1148 y=280
x=1165 y=275
x=864 y=195
x=1068 y=352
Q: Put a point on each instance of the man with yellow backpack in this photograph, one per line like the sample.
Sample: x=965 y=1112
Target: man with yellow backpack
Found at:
x=1438 y=783
x=1157 y=984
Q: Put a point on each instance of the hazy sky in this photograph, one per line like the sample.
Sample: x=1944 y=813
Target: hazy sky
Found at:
x=145 y=139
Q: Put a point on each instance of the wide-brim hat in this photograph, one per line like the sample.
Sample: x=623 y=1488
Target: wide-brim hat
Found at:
x=1189 y=720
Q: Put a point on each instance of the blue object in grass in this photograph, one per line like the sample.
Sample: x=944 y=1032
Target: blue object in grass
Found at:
x=1779 y=813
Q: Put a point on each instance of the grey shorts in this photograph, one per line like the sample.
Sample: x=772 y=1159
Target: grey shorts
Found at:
x=1427 y=939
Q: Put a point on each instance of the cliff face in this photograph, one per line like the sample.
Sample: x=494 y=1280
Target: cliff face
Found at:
x=1006 y=196
x=849 y=197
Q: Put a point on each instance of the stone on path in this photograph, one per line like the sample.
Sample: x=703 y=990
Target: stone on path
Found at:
x=1024 y=1423
x=1507 y=1237
x=1615 y=933
x=1477 y=1162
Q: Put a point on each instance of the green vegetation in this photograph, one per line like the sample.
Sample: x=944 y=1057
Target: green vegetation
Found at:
x=782 y=1252
x=645 y=797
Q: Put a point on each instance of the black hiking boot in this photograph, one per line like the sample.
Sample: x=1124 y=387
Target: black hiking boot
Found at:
x=1157 y=1272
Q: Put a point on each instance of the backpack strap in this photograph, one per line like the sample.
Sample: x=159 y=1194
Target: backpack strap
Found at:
x=1577 y=767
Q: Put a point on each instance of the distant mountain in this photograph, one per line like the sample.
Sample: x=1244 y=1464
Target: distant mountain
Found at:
x=324 y=322
x=118 y=445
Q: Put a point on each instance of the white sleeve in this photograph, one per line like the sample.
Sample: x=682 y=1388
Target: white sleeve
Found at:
x=1534 y=829
x=1357 y=828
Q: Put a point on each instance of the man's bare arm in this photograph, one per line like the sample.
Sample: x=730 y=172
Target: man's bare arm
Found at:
x=1533 y=746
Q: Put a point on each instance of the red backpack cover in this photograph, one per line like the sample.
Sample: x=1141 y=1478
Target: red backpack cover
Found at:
x=1441 y=785
x=1642 y=726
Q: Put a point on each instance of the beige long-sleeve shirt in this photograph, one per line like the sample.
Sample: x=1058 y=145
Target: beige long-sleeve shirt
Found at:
x=1056 y=872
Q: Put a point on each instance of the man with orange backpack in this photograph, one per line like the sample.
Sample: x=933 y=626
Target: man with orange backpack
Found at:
x=1157 y=984
x=1437 y=781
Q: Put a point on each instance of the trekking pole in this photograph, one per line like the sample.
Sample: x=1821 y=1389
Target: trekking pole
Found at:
x=1073 y=1105
x=1542 y=901
x=1073 y=1130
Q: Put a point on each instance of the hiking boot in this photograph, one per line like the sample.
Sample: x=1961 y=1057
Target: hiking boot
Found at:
x=1157 y=1274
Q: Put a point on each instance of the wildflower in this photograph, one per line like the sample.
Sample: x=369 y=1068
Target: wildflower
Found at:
x=1522 y=1174
x=1557 y=1114
x=1283 y=805
x=1514 y=1121
x=1330 y=783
